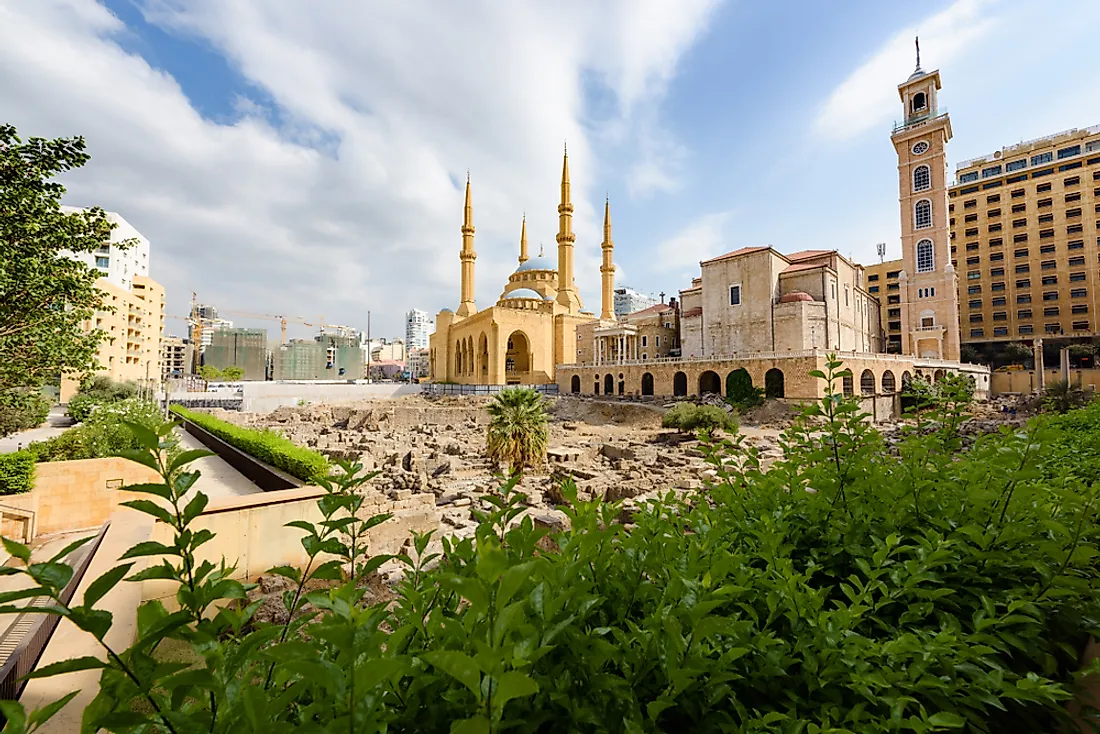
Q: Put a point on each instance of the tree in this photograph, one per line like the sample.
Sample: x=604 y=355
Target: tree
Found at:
x=232 y=373
x=968 y=353
x=45 y=295
x=210 y=373
x=1061 y=396
x=518 y=428
x=1018 y=353
x=21 y=409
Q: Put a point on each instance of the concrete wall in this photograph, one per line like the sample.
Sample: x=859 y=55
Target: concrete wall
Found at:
x=250 y=532
x=71 y=495
x=265 y=396
x=1024 y=381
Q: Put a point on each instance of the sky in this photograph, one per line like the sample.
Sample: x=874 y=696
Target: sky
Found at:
x=309 y=158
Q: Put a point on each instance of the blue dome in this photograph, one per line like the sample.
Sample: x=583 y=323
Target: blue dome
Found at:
x=523 y=293
x=537 y=263
x=446 y=310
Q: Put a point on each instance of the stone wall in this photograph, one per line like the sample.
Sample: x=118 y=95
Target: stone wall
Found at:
x=1024 y=381
x=72 y=495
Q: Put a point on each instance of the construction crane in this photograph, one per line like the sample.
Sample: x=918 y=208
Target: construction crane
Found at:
x=283 y=320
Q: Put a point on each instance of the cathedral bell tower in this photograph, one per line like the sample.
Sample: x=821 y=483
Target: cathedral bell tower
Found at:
x=929 y=283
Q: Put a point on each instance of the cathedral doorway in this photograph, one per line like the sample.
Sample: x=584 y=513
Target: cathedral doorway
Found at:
x=773 y=383
x=647 y=384
x=609 y=385
x=680 y=384
x=575 y=384
x=709 y=382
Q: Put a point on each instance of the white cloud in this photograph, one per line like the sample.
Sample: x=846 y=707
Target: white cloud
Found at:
x=347 y=195
x=704 y=238
x=868 y=97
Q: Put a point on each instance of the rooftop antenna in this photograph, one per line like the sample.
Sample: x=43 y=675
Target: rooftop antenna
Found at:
x=881 y=248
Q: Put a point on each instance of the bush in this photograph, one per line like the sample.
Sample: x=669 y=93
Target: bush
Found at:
x=103 y=434
x=843 y=588
x=686 y=417
x=1062 y=396
x=267 y=446
x=97 y=391
x=16 y=472
x=22 y=409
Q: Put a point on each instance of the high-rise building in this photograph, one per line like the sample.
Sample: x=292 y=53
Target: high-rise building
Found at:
x=418 y=363
x=173 y=358
x=210 y=323
x=628 y=301
x=326 y=358
x=130 y=349
x=927 y=281
x=418 y=328
x=343 y=332
x=1025 y=229
x=244 y=348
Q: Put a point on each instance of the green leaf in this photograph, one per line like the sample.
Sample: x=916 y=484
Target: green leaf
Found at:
x=160 y=490
x=67 y=666
x=140 y=456
x=163 y=571
x=186 y=457
x=61 y=554
x=145 y=436
x=17 y=717
x=474 y=725
x=195 y=507
x=149 y=507
x=947 y=720
x=513 y=684
x=105 y=583
x=459 y=666
x=53 y=575
x=149 y=548
x=47 y=712
x=18 y=550
x=95 y=621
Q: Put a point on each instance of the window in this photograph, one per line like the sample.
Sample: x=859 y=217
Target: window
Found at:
x=998 y=301
x=1050 y=296
x=893 y=299
x=1079 y=308
x=1045 y=203
x=925 y=261
x=872 y=278
x=970 y=204
x=1023 y=283
x=1080 y=325
x=973 y=289
x=992 y=184
x=975 y=303
x=922 y=178
x=873 y=289
x=1042 y=188
x=1000 y=316
x=993 y=212
x=992 y=198
x=1078 y=292
x=923 y=214
x=997 y=287
x=1038 y=160
x=1050 y=280
x=1072 y=181
x=1078 y=261
x=892 y=286
x=974 y=275
x=1017 y=208
x=1020 y=253
x=103 y=262
x=972 y=232
x=973 y=260
x=1023 y=313
x=968 y=177
x=1046 y=249
x=920 y=101
x=1022 y=237
x=995 y=257
x=1069 y=152
x=1025 y=298
x=1075 y=245
x=1017 y=193
x=977 y=332
x=991 y=171
x=975 y=318
x=1049 y=264
x=970 y=247
x=1052 y=328
x=1016 y=165
x=1026 y=329
x=1073 y=212
x=894 y=313
x=1075 y=229
x=971 y=218
x=1023 y=268
x=735 y=295
x=920 y=148
x=1018 y=223
x=657 y=343
x=1050 y=311
x=995 y=227
x=1016 y=179
x=996 y=272
x=1000 y=331
x=1046 y=234
x=1046 y=218
x=996 y=242
x=645 y=341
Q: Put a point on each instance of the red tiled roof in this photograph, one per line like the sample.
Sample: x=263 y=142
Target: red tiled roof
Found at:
x=794 y=267
x=691 y=312
x=806 y=254
x=736 y=253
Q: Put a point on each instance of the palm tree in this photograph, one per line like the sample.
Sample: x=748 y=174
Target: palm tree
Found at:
x=518 y=428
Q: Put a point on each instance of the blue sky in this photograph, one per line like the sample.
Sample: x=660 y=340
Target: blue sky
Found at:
x=308 y=160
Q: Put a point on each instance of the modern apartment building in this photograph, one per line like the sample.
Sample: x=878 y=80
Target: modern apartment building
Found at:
x=244 y=348
x=173 y=358
x=628 y=301
x=418 y=328
x=335 y=358
x=117 y=265
x=1025 y=236
x=883 y=282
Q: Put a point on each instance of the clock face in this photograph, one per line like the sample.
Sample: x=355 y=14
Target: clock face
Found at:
x=920 y=148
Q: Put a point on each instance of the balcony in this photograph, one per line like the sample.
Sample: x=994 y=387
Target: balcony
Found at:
x=918 y=120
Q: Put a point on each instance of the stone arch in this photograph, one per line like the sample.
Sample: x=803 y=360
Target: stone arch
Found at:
x=738 y=383
x=889 y=385
x=575 y=384
x=647 y=383
x=517 y=354
x=937 y=375
x=458 y=357
x=470 y=355
x=680 y=384
x=596 y=386
x=847 y=385
x=906 y=378
x=609 y=385
x=867 y=382
x=710 y=382
x=773 y=383
x=483 y=357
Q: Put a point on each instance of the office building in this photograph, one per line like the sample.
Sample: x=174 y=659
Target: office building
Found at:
x=628 y=301
x=418 y=329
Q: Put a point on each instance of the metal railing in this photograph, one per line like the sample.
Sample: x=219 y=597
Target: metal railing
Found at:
x=919 y=121
x=30 y=631
x=746 y=356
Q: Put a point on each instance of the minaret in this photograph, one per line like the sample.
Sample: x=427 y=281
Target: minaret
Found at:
x=607 y=269
x=929 y=284
x=523 y=242
x=567 y=289
x=467 y=256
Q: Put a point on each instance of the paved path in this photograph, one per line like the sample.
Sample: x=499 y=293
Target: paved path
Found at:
x=218 y=478
x=56 y=423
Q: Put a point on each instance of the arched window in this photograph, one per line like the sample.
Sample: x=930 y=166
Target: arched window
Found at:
x=922 y=178
x=888 y=383
x=867 y=382
x=922 y=217
x=920 y=101
x=926 y=262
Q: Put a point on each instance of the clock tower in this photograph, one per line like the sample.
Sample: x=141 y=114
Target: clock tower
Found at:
x=929 y=284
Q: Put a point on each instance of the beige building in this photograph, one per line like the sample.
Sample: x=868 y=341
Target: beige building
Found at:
x=651 y=333
x=173 y=358
x=755 y=300
x=533 y=325
x=1025 y=227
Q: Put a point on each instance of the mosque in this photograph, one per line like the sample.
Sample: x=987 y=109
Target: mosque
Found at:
x=533 y=325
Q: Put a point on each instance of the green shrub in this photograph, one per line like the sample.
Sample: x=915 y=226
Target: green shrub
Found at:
x=97 y=391
x=103 y=434
x=22 y=409
x=267 y=446
x=16 y=472
x=841 y=589
x=686 y=417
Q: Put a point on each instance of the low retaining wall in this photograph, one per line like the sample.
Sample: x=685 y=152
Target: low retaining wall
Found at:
x=250 y=532
x=73 y=495
x=263 y=475
x=1024 y=381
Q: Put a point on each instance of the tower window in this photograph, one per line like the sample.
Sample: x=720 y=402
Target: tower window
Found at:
x=925 y=260
x=922 y=178
x=920 y=101
x=923 y=215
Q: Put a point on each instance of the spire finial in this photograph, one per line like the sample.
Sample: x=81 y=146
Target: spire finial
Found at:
x=917 y=42
x=523 y=241
x=540 y=250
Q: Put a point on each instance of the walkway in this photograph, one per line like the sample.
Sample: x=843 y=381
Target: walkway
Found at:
x=56 y=423
x=217 y=478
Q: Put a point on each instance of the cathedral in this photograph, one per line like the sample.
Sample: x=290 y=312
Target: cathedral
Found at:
x=533 y=325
